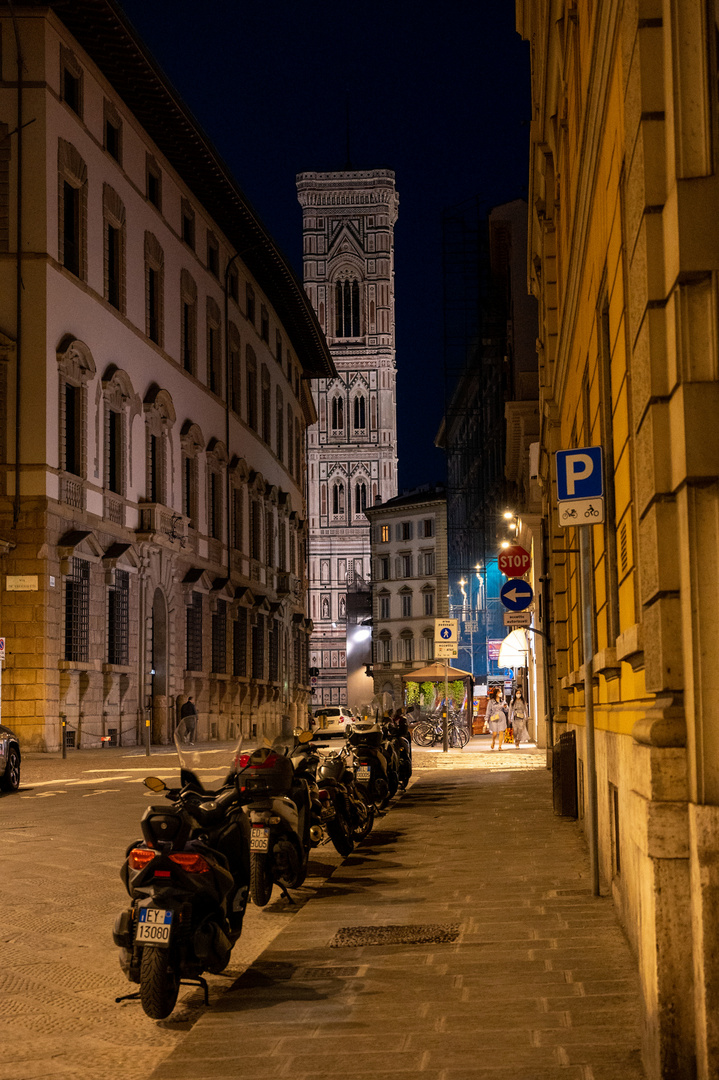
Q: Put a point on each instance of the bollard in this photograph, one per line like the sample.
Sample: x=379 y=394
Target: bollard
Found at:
x=147 y=733
x=63 y=725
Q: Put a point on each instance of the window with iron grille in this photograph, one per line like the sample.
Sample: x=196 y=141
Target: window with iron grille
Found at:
x=194 y=633
x=274 y=651
x=118 y=619
x=77 y=612
x=239 y=643
x=258 y=648
x=219 y=638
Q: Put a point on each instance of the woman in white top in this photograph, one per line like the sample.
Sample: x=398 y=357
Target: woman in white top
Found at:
x=518 y=718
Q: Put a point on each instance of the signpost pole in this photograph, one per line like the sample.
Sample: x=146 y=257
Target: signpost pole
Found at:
x=445 y=723
x=585 y=557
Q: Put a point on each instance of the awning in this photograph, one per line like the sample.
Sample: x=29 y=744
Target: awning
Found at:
x=514 y=650
x=435 y=673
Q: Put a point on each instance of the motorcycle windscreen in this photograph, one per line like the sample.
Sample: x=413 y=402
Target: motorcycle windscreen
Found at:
x=206 y=765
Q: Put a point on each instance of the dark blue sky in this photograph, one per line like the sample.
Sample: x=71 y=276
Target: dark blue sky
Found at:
x=439 y=93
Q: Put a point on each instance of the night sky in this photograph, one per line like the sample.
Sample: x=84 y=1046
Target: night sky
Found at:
x=439 y=93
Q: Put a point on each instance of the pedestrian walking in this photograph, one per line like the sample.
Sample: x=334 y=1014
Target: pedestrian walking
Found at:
x=496 y=716
x=519 y=718
x=188 y=720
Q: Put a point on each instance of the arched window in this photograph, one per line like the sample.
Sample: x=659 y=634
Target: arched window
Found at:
x=338 y=414
x=338 y=498
x=347 y=308
x=360 y=498
x=359 y=412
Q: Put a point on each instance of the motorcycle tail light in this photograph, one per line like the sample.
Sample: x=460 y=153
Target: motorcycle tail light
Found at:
x=324 y=795
x=263 y=763
x=139 y=858
x=191 y=862
x=244 y=760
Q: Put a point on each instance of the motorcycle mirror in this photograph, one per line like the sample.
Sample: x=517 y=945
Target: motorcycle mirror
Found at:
x=305 y=736
x=155 y=784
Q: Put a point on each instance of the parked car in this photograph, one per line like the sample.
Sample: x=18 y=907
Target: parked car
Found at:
x=9 y=759
x=332 y=719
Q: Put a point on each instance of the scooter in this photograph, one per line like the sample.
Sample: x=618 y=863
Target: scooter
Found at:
x=188 y=880
x=346 y=816
x=284 y=814
x=373 y=777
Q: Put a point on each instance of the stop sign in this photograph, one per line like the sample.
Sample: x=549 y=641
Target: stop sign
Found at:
x=514 y=561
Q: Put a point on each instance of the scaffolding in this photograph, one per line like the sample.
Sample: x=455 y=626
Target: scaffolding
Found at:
x=473 y=431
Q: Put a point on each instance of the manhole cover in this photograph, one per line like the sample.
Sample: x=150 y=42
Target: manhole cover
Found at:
x=427 y=934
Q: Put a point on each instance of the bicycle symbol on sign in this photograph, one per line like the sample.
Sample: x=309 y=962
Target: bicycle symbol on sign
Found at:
x=569 y=514
x=591 y=512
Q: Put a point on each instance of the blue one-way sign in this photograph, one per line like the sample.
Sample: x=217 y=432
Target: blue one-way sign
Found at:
x=579 y=473
x=516 y=595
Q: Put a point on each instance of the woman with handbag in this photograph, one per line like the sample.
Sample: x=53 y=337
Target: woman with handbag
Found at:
x=496 y=716
x=519 y=718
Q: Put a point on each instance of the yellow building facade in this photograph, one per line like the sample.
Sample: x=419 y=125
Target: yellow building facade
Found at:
x=623 y=258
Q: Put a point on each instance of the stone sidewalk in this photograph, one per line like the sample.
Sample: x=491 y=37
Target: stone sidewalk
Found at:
x=460 y=942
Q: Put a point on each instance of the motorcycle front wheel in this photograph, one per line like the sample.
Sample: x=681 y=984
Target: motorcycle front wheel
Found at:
x=365 y=821
x=159 y=983
x=339 y=833
x=260 y=879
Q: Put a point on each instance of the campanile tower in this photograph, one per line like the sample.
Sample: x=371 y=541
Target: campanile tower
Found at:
x=348 y=237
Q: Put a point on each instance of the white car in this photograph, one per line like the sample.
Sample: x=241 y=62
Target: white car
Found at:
x=332 y=720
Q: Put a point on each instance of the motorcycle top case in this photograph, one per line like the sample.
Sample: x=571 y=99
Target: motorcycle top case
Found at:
x=265 y=771
x=371 y=738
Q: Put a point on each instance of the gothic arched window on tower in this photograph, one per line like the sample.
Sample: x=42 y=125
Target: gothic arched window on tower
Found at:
x=360 y=412
x=338 y=414
x=360 y=498
x=338 y=498
x=347 y=306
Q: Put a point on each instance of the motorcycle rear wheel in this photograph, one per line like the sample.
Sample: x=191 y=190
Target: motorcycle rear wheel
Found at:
x=260 y=879
x=159 y=983
x=340 y=834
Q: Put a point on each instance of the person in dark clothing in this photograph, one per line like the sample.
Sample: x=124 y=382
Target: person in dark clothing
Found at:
x=188 y=721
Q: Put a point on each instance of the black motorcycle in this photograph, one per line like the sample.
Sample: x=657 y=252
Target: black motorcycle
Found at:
x=397 y=731
x=188 y=880
x=346 y=816
x=277 y=783
x=377 y=782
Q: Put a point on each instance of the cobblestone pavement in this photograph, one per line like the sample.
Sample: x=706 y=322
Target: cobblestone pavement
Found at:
x=538 y=984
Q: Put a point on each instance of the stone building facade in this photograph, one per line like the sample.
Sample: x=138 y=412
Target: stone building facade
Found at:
x=348 y=223
x=624 y=261
x=409 y=584
x=155 y=357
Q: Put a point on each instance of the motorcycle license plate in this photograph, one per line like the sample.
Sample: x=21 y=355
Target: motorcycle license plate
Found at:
x=260 y=838
x=154 y=926
x=364 y=772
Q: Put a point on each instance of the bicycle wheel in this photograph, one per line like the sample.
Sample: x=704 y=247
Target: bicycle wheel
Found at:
x=463 y=735
x=423 y=733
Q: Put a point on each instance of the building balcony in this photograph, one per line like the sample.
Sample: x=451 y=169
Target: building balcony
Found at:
x=114 y=508
x=160 y=522
x=72 y=492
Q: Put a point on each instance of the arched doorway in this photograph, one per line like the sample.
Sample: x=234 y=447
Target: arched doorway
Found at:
x=158 y=668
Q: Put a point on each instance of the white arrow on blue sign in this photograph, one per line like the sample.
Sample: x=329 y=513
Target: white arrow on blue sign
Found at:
x=579 y=473
x=516 y=595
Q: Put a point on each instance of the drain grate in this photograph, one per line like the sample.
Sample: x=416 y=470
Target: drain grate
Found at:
x=427 y=934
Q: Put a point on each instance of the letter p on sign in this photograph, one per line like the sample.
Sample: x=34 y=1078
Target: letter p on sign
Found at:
x=579 y=473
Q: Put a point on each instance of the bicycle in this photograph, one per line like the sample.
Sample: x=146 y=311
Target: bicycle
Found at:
x=431 y=731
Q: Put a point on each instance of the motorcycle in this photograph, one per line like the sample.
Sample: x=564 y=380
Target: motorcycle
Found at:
x=284 y=812
x=377 y=782
x=188 y=881
x=397 y=732
x=346 y=816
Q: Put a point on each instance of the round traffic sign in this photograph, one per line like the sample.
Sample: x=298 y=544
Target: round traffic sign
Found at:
x=516 y=595
x=514 y=560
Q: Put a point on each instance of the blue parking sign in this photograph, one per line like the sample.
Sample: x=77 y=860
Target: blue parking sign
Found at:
x=580 y=474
